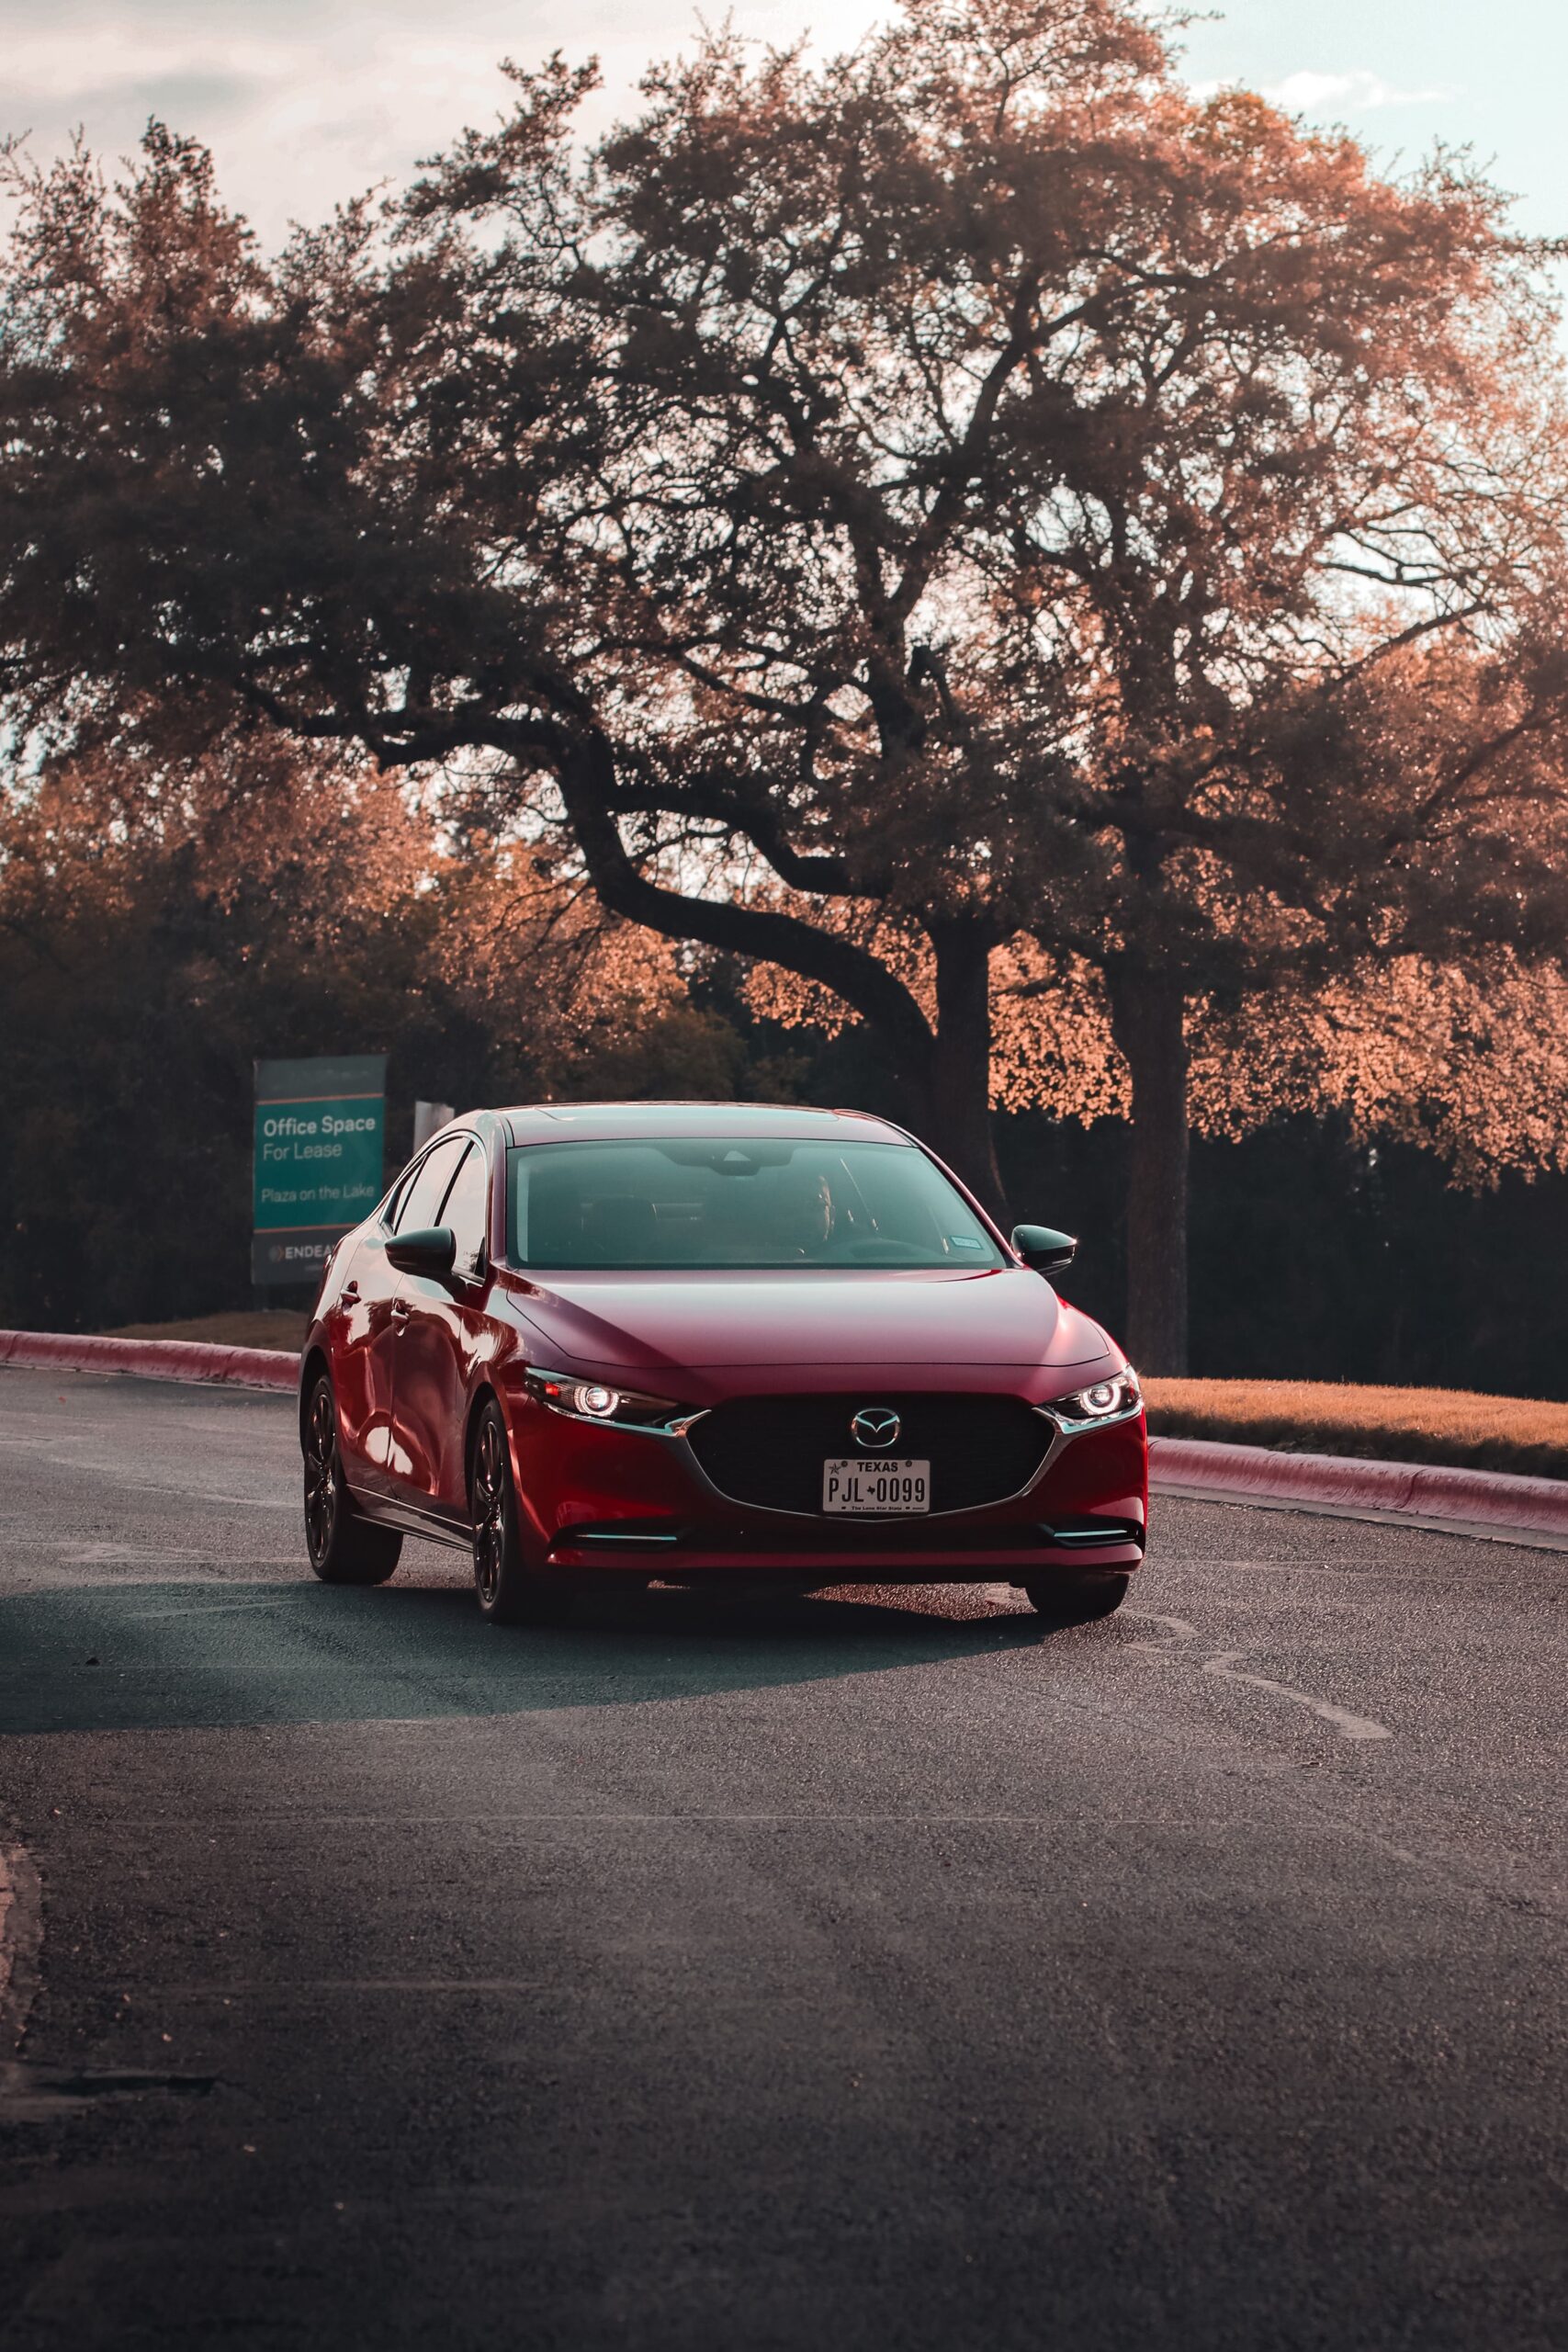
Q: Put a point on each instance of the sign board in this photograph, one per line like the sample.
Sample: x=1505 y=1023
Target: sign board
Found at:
x=319 y=1143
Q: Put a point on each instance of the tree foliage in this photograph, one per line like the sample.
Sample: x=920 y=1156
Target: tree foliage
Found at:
x=966 y=507
x=162 y=926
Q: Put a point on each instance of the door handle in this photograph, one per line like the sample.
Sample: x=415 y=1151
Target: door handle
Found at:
x=399 y=1310
x=349 y=1290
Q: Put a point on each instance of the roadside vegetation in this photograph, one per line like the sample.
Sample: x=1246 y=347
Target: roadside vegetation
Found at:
x=1524 y=1435
x=279 y=1329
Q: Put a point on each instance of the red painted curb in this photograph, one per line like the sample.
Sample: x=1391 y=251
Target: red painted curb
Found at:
x=152 y=1358
x=1411 y=1489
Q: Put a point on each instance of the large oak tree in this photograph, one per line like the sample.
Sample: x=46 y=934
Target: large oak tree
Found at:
x=1072 y=483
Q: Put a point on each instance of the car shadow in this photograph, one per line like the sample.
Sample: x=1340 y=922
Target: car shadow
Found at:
x=165 y=1656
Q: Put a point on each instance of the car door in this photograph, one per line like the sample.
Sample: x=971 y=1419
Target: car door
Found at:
x=417 y=1203
x=439 y=1330
x=361 y=1332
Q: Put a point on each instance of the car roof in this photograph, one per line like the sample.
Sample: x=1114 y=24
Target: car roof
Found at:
x=605 y=1122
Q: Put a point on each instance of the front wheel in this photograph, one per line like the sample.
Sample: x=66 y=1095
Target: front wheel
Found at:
x=343 y=1548
x=1078 y=1597
x=510 y=1592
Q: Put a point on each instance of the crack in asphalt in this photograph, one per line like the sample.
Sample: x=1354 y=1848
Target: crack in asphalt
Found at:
x=1223 y=1666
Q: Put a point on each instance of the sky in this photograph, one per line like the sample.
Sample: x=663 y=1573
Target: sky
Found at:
x=307 y=102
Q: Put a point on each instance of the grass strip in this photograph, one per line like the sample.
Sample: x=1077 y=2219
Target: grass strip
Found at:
x=1524 y=1434
x=282 y=1328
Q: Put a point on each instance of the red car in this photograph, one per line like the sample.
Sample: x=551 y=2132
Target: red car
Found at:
x=674 y=1339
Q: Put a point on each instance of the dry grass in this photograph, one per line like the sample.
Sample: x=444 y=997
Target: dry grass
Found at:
x=282 y=1328
x=1452 y=1425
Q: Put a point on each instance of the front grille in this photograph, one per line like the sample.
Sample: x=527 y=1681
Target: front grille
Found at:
x=769 y=1451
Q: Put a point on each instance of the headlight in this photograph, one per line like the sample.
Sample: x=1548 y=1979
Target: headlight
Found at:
x=593 y=1400
x=602 y=1404
x=1116 y=1399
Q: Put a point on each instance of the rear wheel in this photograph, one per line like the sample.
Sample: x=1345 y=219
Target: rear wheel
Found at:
x=1077 y=1598
x=343 y=1548
x=510 y=1592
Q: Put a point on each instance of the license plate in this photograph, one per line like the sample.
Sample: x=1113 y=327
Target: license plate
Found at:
x=849 y=1485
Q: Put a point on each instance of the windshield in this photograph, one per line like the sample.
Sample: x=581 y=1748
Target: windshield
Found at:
x=687 y=1201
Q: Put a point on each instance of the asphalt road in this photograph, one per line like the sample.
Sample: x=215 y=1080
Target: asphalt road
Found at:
x=873 y=1971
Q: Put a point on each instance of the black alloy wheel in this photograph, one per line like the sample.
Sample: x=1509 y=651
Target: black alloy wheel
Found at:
x=343 y=1548
x=1077 y=1597
x=510 y=1592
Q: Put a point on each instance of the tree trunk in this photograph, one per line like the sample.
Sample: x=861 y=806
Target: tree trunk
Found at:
x=1147 y=1015
x=957 y=1122
x=950 y=1074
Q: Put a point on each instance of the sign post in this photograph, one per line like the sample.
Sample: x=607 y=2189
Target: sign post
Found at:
x=428 y=1120
x=320 y=1144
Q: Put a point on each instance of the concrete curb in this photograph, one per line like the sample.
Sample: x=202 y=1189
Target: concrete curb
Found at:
x=1468 y=1501
x=1480 y=1501
x=152 y=1358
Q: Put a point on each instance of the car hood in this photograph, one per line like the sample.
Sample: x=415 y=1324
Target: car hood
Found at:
x=874 y=1318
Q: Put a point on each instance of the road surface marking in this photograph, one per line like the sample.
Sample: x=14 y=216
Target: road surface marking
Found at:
x=21 y=1931
x=212 y=1609
x=1347 y=1726
x=7 y=1898
x=92 y=1555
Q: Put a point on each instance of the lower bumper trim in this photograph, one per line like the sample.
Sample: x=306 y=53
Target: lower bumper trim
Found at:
x=1008 y=1566
x=871 y=1539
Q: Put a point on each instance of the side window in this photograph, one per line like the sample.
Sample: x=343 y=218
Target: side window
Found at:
x=399 y=1195
x=467 y=1211
x=421 y=1203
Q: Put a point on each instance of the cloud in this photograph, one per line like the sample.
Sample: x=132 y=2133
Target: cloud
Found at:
x=1358 y=93
x=306 y=102
x=56 y=67
x=303 y=105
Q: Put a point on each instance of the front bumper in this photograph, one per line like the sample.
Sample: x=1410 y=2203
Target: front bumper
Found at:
x=608 y=1498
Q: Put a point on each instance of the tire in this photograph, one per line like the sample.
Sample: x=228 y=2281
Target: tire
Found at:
x=1078 y=1597
x=342 y=1547
x=510 y=1592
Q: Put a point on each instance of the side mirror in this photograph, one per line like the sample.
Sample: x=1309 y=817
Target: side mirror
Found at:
x=429 y=1250
x=1042 y=1246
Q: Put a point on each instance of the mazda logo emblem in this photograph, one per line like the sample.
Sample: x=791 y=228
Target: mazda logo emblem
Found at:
x=875 y=1427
